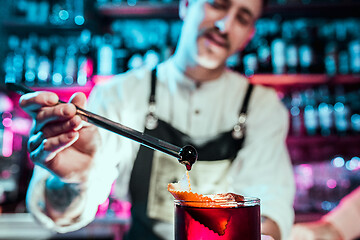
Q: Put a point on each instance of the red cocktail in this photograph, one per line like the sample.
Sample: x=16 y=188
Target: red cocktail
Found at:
x=236 y=219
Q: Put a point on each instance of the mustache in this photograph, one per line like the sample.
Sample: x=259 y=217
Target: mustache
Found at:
x=209 y=32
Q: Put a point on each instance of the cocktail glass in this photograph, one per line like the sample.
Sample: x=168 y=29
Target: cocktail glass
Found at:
x=215 y=220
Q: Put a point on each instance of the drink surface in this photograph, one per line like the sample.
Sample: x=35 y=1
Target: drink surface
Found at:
x=217 y=223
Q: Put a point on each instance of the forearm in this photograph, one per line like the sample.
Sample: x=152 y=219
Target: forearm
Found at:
x=269 y=227
x=63 y=201
x=77 y=215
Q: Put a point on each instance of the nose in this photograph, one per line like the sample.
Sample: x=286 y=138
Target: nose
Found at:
x=225 y=23
x=221 y=23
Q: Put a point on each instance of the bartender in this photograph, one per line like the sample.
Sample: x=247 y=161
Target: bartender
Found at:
x=238 y=129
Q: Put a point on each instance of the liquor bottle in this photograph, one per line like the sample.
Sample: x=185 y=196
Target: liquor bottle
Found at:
x=278 y=56
x=263 y=49
x=14 y=61
x=30 y=63
x=306 y=54
x=354 y=50
x=354 y=103
x=79 y=17
x=296 y=114
x=135 y=61
x=326 y=111
x=43 y=11
x=70 y=64
x=249 y=58
x=343 y=57
x=151 y=58
x=44 y=65
x=85 y=64
x=291 y=49
x=330 y=59
x=105 y=56
x=311 y=116
x=57 y=77
x=341 y=111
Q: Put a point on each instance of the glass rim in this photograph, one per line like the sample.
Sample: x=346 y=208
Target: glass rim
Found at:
x=248 y=201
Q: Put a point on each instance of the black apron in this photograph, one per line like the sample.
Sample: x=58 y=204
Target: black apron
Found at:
x=225 y=146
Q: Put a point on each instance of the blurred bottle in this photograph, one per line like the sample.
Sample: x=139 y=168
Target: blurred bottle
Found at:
x=296 y=114
x=354 y=103
x=278 y=56
x=44 y=65
x=57 y=78
x=78 y=13
x=85 y=63
x=105 y=56
x=342 y=111
x=43 y=11
x=135 y=61
x=31 y=59
x=32 y=10
x=326 y=111
x=342 y=37
x=291 y=50
x=263 y=49
x=70 y=64
x=151 y=58
x=330 y=59
x=121 y=54
x=306 y=54
x=354 y=50
x=311 y=115
x=14 y=61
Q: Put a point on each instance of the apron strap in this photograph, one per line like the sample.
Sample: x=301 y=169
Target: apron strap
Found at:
x=153 y=86
x=245 y=105
x=239 y=129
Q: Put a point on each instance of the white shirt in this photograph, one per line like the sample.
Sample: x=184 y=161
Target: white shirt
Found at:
x=261 y=169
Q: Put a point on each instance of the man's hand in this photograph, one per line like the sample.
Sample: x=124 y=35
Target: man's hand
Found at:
x=266 y=237
x=319 y=230
x=59 y=140
x=270 y=228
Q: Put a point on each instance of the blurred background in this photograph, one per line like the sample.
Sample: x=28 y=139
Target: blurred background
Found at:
x=308 y=50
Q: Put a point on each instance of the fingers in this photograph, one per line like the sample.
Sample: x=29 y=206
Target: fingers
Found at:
x=266 y=237
x=79 y=99
x=58 y=113
x=31 y=102
x=55 y=124
x=49 y=147
x=52 y=130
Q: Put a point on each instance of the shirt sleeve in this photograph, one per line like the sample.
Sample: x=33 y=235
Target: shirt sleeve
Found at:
x=263 y=168
x=346 y=216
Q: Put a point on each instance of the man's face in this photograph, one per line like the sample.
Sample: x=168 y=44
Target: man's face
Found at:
x=215 y=29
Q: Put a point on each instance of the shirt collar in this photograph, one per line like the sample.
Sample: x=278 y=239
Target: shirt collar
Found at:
x=186 y=82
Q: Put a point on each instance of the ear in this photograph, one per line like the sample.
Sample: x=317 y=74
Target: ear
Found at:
x=183 y=5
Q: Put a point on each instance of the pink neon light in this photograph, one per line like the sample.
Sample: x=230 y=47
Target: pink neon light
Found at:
x=8 y=137
x=7 y=122
x=89 y=67
x=331 y=183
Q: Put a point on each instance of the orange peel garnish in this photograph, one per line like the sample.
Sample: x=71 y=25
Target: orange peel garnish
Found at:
x=182 y=191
